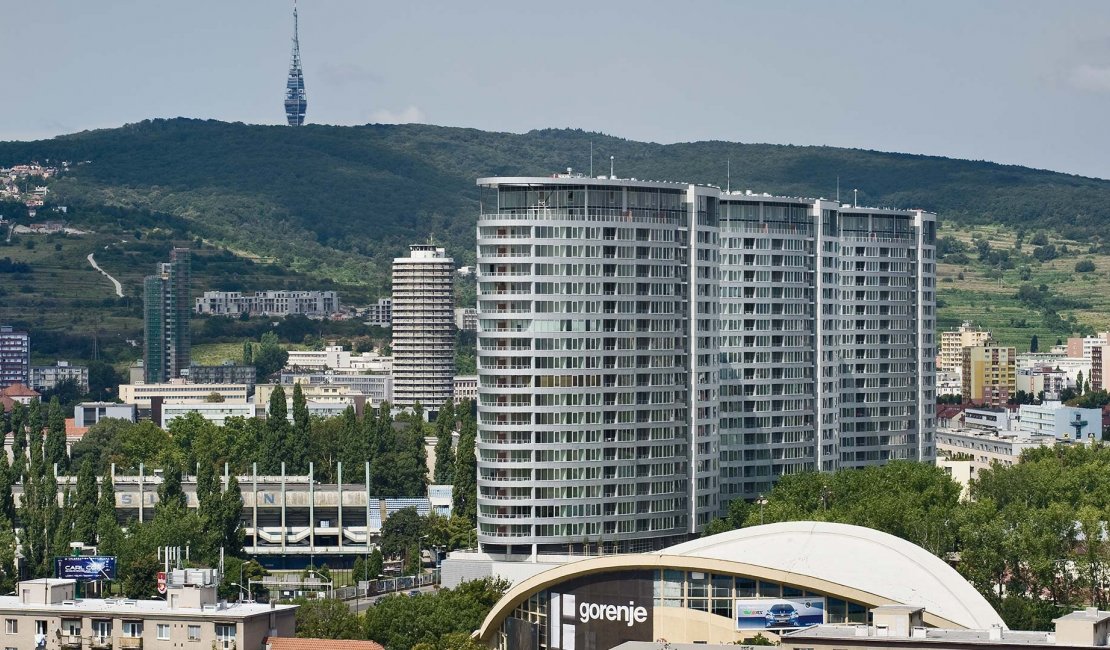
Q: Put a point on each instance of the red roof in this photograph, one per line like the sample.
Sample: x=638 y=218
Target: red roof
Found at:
x=290 y=643
x=19 y=390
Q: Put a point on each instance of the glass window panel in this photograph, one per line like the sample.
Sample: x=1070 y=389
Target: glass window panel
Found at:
x=857 y=613
x=770 y=590
x=745 y=588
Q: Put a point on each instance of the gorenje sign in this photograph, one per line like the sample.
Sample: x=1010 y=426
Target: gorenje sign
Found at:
x=600 y=612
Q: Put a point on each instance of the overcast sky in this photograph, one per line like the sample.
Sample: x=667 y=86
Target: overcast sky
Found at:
x=1012 y=81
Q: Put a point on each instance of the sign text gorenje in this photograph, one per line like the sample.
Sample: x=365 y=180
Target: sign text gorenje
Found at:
x=629 y=613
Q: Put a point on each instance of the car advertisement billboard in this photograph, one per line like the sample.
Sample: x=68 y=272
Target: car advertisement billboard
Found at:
x=601 y=611
x=100 y=567
x=778 y=613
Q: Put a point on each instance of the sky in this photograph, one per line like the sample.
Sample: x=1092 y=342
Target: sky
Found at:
x=1013 y=81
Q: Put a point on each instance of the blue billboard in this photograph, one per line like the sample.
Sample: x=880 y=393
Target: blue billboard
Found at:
x=100 y=567
x=779 y=613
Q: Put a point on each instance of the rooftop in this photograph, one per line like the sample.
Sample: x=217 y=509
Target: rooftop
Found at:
x=921 y=635
x=139 y=608
x=289 y=643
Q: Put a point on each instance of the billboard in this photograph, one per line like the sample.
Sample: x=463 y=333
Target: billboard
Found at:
x=601 y=611
x=778 y=613
x=99 y=567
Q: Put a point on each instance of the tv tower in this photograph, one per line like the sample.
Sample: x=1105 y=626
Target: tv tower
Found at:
x=295 y=101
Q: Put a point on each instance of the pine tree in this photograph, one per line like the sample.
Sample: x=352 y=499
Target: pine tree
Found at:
x=465 y=493
x=55 y=449
x=445 y=454
x=301 y=433
x=248 y=353
x=84 y=527
x=109 y=535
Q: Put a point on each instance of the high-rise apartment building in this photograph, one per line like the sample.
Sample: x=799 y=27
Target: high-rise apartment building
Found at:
x=15 y=356
x=953 y=342
x=989 y=374
x=166 y=310
x=648 y=351
x=423 y=328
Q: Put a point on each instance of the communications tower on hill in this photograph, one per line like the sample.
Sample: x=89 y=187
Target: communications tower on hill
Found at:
x=295 y=100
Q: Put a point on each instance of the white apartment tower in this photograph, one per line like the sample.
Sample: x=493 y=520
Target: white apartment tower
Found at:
x=423 y=328
x=649 y=351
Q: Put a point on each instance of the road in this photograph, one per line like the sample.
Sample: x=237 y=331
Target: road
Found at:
x=360 y=605
x=119 y=287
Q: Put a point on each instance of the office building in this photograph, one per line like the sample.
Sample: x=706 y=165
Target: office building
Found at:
x=180 y=391
x=44 y=613
x=466 y=387
x=166 y=319
x=314 y=304
x=989 y=374
x=227 y=373
x=48 y=377
x=953 y=342
x=15 y=356
x=376 y=388
x=648 y=351
x=423 y=328
x=380 y=313
x=1052 y=418
x=217 y=413
x=86 y=414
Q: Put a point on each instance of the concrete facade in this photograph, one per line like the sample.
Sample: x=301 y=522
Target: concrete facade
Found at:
x=423 y=328
x=317 y=304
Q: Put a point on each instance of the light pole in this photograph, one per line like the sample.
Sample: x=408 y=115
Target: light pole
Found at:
x=762 y=502
x=242 y=590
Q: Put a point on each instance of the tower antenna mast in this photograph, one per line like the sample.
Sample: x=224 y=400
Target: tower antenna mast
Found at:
x=295 y=99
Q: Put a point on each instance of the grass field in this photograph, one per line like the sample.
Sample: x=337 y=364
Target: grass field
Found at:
x=987 y=296
x=214 y=354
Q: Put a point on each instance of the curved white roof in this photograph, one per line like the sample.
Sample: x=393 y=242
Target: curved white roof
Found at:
x=853 y=556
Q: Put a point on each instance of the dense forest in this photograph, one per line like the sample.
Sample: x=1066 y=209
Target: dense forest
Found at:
x=299 y=196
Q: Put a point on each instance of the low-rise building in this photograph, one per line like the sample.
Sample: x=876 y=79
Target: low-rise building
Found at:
x=377 y=388
x=180 y=391
x=48 y=377
x=17 y=393
x=1064 y=422
x=44 y=613
x=87 y=414
x=466 y=387
x=994 y=418
x=215 y=412
x=381 y=313
x=466 y=319
x=987 y=447
x=1042 y=379
x=324 y=400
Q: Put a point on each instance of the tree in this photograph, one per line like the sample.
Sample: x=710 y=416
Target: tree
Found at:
x=300 y=434
x=109 y=536
x=375 y=565
x=248 y=353
x=414 y=563
x=84 y=527
x=465 y=494
x=104 y=381
x=229 y=525
x=1079 y=382
x=326 y=618
x=358 y=570
x=19 y=441
x=7 y=502
x=401 y=531
x=445 y=454
x=1034 y=344
x=170 y=493
x=353 y=445
x=443 y=619
x=270 y=358
x=275 y=443
x=8 y=572
x=1084 y=266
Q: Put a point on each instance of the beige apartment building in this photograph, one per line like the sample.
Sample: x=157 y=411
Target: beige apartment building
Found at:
x=989 y=374
x=45 y=614
x=179 y=391
x=952 y=344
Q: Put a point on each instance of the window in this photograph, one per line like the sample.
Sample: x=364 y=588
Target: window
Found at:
x=194 y=633
x=163 y=631
x=133 y=629
x=102 y=629
x=225 y=633
x=11 y=626
x=40 y=627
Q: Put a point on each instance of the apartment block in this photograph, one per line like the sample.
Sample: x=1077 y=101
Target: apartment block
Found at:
x=15 y=356
x=466 y=319
x=953 y=342
x=48 y=377
x=648 y=351
x=381 y=313
x=315 y=304
x=423 y=328
x=989 y=374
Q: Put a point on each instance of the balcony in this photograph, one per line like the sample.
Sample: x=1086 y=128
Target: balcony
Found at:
x=131 y=643
x=71 y=641
x=100 y=643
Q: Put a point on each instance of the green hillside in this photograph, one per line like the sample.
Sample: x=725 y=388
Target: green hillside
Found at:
x=338 y=203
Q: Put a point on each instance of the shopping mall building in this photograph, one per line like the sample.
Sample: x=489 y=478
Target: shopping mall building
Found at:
x=721 y=589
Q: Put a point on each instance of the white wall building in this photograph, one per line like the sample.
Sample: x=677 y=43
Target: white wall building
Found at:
x=48 y=377
x=215 y=412
x=179 y=391
x=423 y=328
x=320 y=304
x=381 y=313
x=1064 y=422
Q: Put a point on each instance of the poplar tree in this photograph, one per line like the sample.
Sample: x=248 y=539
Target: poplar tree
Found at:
x=109 y=535
x=55 y=448
x=465 y=493
x=275 y=438
x=170 y=493
x=352 y=445
x=445 y=453
x=84 y=527
x=7 y=502
x=19 y=442
x=301 y=433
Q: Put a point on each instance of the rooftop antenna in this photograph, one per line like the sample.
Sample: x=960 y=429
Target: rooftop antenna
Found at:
x=591 y=158
x=855 y=198
x=728 y=175
x=612 y=176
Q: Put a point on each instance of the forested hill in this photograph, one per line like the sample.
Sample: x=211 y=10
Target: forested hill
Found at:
x=342 y=201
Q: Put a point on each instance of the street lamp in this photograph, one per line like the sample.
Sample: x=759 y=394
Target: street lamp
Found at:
x=242 y=590
x=762 y=502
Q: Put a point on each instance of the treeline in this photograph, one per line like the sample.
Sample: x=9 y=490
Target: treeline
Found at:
x=1032 y=538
